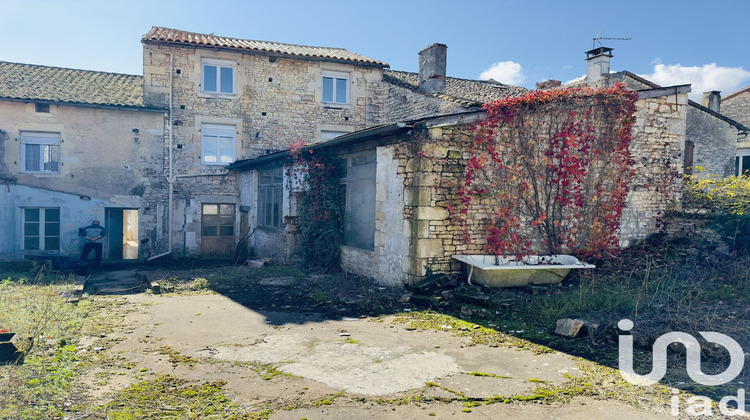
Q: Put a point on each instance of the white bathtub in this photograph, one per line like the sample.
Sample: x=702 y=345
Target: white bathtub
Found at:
x=534 y=269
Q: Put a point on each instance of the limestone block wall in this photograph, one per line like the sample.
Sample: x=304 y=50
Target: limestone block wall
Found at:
x=657 y=148
x=277 y=101
x=737 y=108
x=715 y=143
x=433 y=166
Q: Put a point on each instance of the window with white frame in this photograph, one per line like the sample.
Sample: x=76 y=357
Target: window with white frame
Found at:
x=217 y=144
x=41 y=229
x=335 y=87
x=270 y=187
x=742 y=163
x=218 y=76
x=329 y=135
x=40 y=152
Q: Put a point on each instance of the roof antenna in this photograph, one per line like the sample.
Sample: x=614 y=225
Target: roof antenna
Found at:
x=599 y=38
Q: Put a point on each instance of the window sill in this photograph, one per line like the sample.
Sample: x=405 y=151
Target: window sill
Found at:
x=43 y=174
x=334 y=105
x=202 y=94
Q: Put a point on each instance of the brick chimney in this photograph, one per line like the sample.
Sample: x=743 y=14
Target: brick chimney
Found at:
x=712 y=100
x=598 y=63
x=432 y=64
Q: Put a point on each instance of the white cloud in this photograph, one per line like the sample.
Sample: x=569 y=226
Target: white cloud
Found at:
x=703 y=79
x=507 y=72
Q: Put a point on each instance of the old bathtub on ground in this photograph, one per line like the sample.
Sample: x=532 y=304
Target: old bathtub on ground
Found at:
x=533 y=269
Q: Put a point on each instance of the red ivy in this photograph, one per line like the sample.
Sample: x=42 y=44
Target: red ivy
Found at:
x=556 y=166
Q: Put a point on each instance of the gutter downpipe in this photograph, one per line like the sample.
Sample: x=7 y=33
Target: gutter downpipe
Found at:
x=171 y=178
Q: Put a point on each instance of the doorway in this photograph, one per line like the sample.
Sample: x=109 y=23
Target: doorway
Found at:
x=217 y=230
x=122 y=234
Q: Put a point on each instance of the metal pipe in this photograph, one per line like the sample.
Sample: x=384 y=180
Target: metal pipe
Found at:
x=170 y=178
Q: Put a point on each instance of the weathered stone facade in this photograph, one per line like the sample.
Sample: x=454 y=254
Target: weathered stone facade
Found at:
x=276 y=101
x=715 y=143
x=658 y=144
x=431 y=163
x=737 y=106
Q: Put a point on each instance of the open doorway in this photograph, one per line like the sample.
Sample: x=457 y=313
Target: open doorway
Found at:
x=122 y=234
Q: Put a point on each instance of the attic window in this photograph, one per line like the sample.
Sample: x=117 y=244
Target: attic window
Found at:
x=39 y=107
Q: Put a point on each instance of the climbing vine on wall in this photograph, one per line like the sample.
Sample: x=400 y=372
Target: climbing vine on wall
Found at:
x=555 y=165
x=321 y=206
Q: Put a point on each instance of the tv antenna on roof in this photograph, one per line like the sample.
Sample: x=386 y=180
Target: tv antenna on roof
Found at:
x=599 y=38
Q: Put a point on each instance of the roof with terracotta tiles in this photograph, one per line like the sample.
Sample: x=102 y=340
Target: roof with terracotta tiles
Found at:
x=465 y=92
x=61 y=85
x=159 y=35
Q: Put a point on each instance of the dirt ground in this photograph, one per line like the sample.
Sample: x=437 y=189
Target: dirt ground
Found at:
x=306 y=358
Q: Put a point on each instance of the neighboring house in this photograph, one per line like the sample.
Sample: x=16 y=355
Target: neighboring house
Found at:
x=737 y=107
x=710 y=137
x=76 y=146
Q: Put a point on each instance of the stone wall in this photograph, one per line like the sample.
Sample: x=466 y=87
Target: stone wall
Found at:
x=391 y=103
x=657 y=148
x=277 y=101
x=737 y=108
x=433 y=168
x=715 y=143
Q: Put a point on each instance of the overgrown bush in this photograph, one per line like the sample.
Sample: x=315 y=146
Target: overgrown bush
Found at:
x=726 y=204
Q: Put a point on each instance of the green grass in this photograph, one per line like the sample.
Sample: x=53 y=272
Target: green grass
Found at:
x=32 y=307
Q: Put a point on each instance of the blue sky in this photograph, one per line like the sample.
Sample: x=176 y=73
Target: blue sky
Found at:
x=517 y=42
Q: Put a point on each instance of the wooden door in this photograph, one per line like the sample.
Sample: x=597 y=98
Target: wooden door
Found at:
x=217 y=230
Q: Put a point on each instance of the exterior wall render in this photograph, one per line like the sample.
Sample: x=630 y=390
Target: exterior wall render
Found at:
x=109 y=158
x=389 y=255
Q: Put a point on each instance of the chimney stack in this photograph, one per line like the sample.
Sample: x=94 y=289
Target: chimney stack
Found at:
x=712 y=100
x=598 y=63
x=432 y=64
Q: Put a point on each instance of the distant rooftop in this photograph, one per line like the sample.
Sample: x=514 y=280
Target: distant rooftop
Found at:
x=465 y=92
x=168 y=36
x=61 y=85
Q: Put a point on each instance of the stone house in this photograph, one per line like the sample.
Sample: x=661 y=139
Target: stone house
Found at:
x=401 y=226
x=737 y=107
x=76 y=146
x=187 y=158
x=401 y=175
x=710 y=137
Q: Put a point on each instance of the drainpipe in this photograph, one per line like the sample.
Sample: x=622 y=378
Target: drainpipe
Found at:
x=171 y=178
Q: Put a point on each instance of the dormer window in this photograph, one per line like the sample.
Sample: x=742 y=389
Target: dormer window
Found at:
x=218 y=76
x=335 y=87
